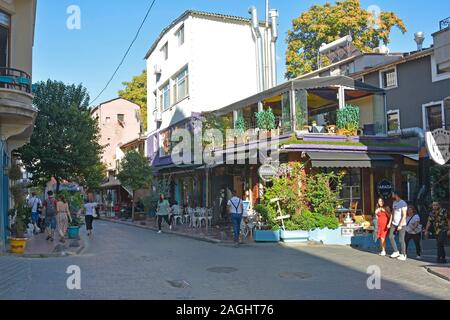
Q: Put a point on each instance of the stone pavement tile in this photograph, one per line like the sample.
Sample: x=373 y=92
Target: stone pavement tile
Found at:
x=442 y=272
x=38 y=246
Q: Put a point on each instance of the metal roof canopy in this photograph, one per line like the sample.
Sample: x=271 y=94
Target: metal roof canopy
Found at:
x=349 y=160
x=305 y=84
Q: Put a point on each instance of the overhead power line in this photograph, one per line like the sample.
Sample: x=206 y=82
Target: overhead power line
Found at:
x=126 y=53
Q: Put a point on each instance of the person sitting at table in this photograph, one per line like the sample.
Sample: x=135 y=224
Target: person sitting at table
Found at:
x=383 y=214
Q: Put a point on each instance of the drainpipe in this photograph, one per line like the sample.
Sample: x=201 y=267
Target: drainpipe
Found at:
x=2 y=199
x=424 y=163
x=259 y=45
x=274 y=18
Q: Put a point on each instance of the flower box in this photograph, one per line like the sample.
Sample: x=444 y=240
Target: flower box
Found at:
x=267 y=236
x=330 y=237
x=294 y=236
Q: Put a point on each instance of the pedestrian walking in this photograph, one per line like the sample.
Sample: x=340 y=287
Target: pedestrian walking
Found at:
x=414 y=230
x=89 y=210
x=162 y=212
x=383 y=215
x=440 y=220
x=50 y=215
x=35 y=203
x=236 y=209
x=62 y=218
x=397 y=224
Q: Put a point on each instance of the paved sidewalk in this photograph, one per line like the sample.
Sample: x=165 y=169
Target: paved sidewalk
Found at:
x=441 y=272
x=39 y=247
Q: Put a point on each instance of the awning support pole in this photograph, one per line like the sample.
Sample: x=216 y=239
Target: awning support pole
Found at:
x=341 y=97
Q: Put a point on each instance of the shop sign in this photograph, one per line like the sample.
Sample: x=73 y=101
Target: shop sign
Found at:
x=385 y=189
x=267 y=172
x=438 y=145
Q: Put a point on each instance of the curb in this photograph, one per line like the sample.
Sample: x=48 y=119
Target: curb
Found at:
x=195 y=237
x=48 y=255
x=440 y=275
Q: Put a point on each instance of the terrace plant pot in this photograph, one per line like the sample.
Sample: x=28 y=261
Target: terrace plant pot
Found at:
x=18 y=245
x=73 y=232
x=267 y=236
x=294 y=236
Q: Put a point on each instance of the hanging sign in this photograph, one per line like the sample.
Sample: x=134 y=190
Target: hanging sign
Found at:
x=267 y=172
x=385 y=189
x=438 y=145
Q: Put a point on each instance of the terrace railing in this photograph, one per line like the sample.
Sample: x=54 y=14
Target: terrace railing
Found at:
x=444 y=24
x=15 y=79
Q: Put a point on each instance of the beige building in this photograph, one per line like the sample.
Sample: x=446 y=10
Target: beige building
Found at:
x=17 y=114
x=119 y=121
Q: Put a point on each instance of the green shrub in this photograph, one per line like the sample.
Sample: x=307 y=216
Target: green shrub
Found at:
x=348 y=118
x=265 y=120
x=241 y=124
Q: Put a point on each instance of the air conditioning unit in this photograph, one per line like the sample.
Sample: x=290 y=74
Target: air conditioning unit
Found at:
x=157 y=69
x=158 y=116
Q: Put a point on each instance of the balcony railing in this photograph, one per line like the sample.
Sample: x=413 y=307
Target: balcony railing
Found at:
x=444 y=24
x=15 y=79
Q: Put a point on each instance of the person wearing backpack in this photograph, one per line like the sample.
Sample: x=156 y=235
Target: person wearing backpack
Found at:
x=50 y=215
x=236 y=209
x=413 y=230
x=34 y=203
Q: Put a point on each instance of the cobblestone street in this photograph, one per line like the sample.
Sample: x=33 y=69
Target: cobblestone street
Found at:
x=125 y=262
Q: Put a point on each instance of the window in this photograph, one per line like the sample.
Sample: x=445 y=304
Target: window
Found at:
x=433 y=116
x=165 y=97
x=393 y=119
x=165 y=51
x=436 y=73
x=180 y=36
x=388 y=78
x=121 y=118
x=181 y=85
x=5 y=26
x=165 y=143
x=351 y=188
x=107 y=120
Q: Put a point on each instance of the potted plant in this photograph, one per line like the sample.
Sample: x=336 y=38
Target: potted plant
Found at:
x=265 y=120
x=74 y=227
x=20 y=217
x=348 y=120
x=270 y=232
x=241 y=127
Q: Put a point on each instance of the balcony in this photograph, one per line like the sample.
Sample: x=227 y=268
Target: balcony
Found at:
x=442 y=47
x=17 y=114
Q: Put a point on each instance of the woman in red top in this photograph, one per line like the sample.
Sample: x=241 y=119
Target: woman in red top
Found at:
x=383 y=214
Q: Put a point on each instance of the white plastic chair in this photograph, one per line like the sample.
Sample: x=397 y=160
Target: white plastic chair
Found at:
x=201 y=216
x=177 y=217
x=193 y=218
x=209 y=214
x=186 y=217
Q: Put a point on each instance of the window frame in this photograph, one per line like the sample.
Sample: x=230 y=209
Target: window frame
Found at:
x=163 y=91
x=165 y=51
x=381 y=76
x=390 y=112
x=180 y=33
x=9 y=27
x=424 y=113
x=177 y=80
x=435 y=76
x=121 y=115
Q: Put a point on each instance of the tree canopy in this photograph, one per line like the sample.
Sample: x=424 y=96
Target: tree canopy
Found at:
x=136 y=92
x=135 y=171
x=327 y=23
x=64 y=144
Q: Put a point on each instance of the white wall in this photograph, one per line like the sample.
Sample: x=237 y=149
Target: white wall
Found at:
x=221 y=57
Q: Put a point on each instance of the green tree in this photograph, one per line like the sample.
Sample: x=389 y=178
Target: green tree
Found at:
x=64 y=144
x=327 y=23
x=136 y=92
x=135 y=173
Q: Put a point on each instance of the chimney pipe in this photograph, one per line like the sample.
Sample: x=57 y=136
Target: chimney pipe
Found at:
x=259 y=47
x=419 y=38
x=274 y=25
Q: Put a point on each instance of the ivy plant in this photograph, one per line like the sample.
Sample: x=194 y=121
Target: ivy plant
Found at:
x=241 y=124
x=265 y=120
x=348 y=119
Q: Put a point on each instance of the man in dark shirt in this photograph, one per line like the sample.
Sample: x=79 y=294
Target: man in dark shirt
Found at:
x=440 y=220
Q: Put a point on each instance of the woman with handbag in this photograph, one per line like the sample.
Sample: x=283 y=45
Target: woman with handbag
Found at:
x=414 y=230
x=383 y=215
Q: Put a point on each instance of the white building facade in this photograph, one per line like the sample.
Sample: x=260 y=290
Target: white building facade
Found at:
x=199 y=63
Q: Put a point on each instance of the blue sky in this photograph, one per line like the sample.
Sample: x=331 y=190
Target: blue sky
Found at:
x=91 y=54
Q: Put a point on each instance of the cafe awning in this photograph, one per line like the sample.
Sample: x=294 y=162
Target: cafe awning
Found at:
x=349 y=160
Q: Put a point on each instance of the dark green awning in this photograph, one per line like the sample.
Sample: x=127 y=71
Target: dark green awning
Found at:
x=349 y=160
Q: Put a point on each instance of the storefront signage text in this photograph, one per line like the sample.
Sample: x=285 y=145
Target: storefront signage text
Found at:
x=385 y=189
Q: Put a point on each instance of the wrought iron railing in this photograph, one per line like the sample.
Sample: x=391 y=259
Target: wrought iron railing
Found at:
x=15 y=79
x=444 y=24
